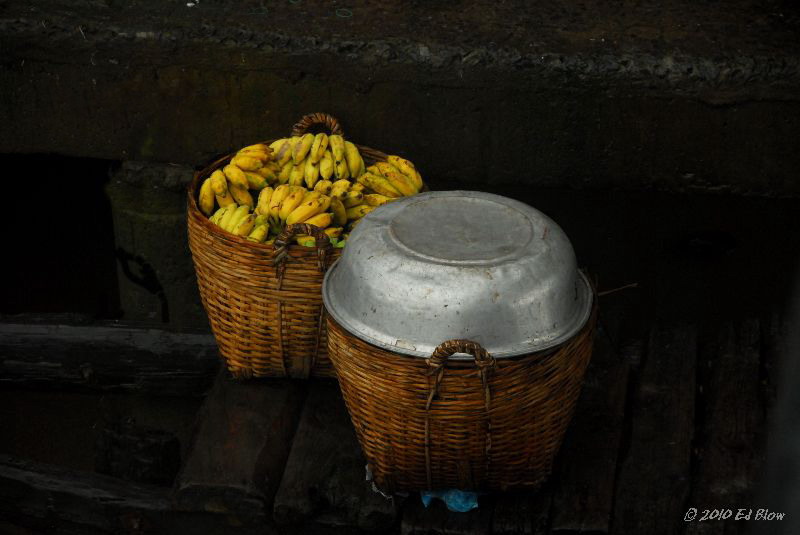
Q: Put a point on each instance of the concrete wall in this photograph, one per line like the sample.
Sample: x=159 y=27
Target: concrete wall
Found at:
x=483 y=95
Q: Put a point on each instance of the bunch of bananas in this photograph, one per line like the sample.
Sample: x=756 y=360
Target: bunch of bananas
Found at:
x=240 y=197
x=309 y=158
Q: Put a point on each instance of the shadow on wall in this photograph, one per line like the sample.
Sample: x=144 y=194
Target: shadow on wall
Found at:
x=141 y=273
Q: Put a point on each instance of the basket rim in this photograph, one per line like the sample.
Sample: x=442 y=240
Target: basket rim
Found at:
x=459 y=361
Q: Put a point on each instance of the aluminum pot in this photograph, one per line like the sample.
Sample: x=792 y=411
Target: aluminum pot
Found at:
x=458 y=264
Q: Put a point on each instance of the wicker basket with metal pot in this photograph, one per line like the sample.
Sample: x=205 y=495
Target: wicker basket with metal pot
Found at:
x=460 y=329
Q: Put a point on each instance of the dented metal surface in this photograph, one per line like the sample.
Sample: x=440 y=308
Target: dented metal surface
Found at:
x=458 y=264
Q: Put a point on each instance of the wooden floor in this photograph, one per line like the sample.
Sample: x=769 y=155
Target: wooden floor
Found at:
x=666 y=421
x=671 y=416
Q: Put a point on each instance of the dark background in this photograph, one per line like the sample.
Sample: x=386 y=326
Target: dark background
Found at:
x=662 y=138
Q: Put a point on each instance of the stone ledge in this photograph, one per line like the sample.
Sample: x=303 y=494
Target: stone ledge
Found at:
x=536 y=96
x=714 y=53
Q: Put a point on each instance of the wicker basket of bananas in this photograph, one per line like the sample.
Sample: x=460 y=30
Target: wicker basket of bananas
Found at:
x=264 y=225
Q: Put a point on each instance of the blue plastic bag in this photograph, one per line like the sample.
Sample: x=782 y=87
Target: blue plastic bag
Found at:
x=458 y=501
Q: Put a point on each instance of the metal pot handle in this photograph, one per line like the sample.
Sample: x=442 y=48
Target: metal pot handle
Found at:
x=436 y=366
x=319 y=118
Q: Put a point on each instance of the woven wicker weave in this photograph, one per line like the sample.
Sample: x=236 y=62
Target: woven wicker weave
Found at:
x=438 y=424
x=267 y=319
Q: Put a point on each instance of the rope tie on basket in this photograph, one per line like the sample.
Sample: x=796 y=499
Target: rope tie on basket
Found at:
x=280 y=255
x=484 y=362
x=279 y=260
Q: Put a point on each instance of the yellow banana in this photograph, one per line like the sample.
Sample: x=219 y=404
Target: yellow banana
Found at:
x=225 y=220
x=383 y=168
x=235 y=176
x=339 y=211
x=354 y=161
x=219 y=183
x=241 y=195
x=301 y=148
x=325 y=200
x=407 y=168
x=378 y=184
x=401 y=183
x=261 y=219
x=323 y=186
x=260 y=147
x=297 y=174
x=318 y=147
x=291 y=202
x=275 y=201
x=336 y=144
x=246 y=163
x=286 y=171
x=320 y=220
x=259 y=155
x=304 y=211
x=259 y=233
x=308 y=195
x=262 y=206
x=218 y=215
x=273 y=166
x=305 y=240
x=276 y=145
x=334 y=232
x=298 y=188
x=341 y=171
x=238 y=215
x=245 y=225
x=268 y=174
x=225 y=200
x=353 y=198
x=339 y=188
x=357 y=212
x=311 y=173
x=357 y=186
x=205 y=199
x=255 y=181
x=376 y=199
x=282 y=150
x=260 y=151
x=326 y=165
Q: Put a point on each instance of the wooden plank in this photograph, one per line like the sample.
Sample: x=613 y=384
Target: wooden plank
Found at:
x=44 y=496
x=653 y=483
x=50 y=499
x=437 y=520
x=324 y=481
x=135 y=453
x=106 y=356
x=522 y=513
x=729 y=453
x=241 y=442
x=584 y=494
